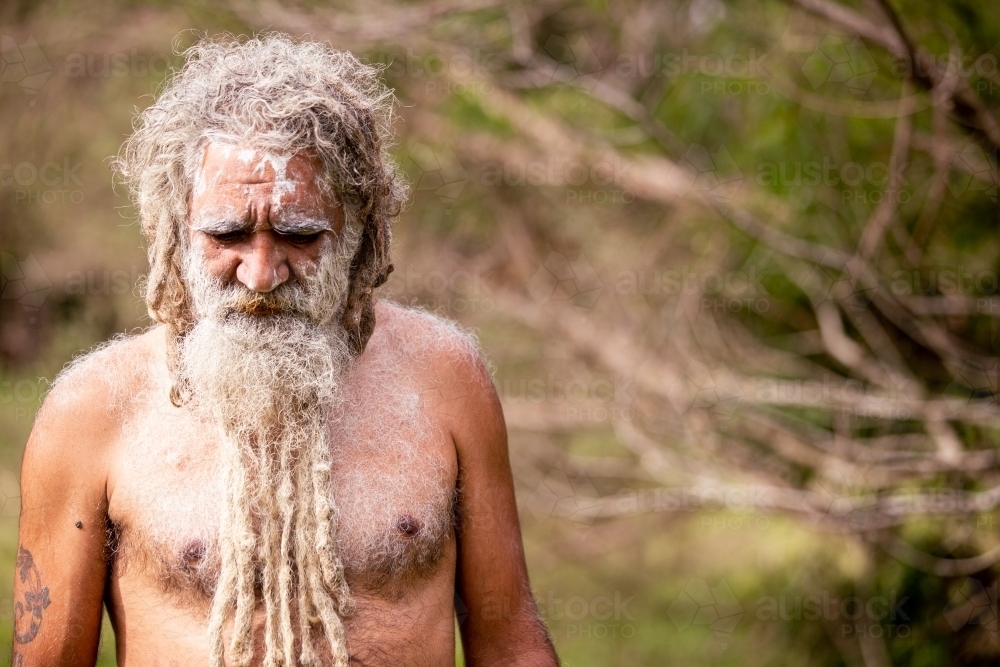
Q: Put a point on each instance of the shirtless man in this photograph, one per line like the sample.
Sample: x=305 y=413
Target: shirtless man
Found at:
x=282 y=471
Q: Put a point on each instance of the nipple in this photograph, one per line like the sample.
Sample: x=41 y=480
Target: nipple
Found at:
x=192 y=553
x=407 y=525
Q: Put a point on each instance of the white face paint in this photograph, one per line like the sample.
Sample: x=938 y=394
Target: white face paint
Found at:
x=271 y=166
x=289 y=193
x=261 y=218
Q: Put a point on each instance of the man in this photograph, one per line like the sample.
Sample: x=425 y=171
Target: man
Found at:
x=282 y=471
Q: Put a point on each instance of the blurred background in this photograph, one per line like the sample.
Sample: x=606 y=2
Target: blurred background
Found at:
x=735 y=265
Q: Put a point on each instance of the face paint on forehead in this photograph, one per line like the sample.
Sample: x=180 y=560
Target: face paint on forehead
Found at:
x=201 y=183
x=237 y=179
x=203 y=180
x=301 y=203
x=284 y=183
x=258 y=160
x=263 y=159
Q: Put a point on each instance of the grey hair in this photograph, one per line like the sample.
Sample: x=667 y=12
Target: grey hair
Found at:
x=272 y=93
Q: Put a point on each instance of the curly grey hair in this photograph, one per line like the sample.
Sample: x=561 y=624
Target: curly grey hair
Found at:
x=276 y=94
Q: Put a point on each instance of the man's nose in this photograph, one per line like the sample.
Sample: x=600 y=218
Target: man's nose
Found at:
x=264 y=265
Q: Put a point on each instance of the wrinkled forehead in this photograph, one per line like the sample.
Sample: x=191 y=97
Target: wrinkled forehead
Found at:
x=233 y=181
x=223 y=164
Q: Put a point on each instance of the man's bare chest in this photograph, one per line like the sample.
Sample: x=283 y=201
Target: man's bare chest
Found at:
x=393 y=482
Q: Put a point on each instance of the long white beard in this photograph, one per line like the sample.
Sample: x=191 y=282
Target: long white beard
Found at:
x=269 y=383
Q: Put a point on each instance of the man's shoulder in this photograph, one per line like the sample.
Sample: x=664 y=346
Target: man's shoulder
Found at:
x=429 y=341
x=447 y=361
x=103 y=383
x=86 y=408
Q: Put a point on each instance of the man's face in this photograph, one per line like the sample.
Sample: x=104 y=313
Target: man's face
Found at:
x=261 y=219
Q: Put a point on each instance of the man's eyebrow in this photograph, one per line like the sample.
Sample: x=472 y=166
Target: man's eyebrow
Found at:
x=222 y=226
x=302 y=226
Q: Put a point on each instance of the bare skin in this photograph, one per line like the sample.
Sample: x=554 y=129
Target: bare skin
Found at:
x=119 y=487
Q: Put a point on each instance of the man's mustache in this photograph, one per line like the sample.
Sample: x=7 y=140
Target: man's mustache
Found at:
x=286 y=299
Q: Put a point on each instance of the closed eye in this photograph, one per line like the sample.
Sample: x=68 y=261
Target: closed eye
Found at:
x=299 y=239
x=228 y=238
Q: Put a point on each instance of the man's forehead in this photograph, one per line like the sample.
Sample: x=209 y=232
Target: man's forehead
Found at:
x=227 y=163
x=233 y=182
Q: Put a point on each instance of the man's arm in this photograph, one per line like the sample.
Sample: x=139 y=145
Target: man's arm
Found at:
x=61 y=569
x=502 y=626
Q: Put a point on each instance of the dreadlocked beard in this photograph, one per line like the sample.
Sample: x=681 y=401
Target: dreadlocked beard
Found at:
x=269 y=383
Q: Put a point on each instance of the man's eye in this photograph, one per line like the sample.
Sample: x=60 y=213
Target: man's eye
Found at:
x=299 y=239
x=229 y=237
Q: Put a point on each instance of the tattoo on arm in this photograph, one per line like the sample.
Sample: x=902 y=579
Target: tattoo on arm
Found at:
x=28 y=614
